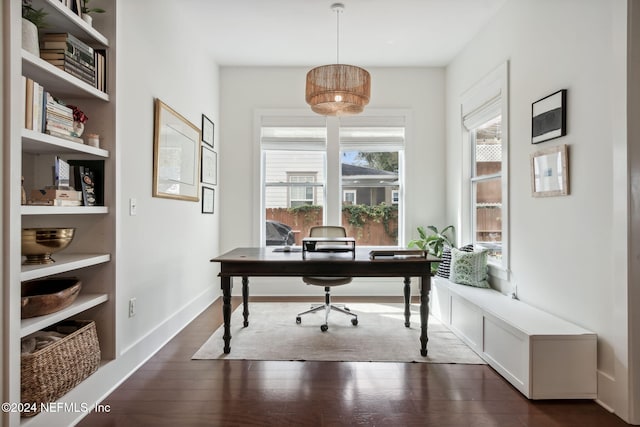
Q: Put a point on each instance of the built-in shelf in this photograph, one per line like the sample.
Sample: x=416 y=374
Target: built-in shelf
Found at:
x=42 y=143
x=60 y=19
x=63 y=210
x=62 y=264
x=58 y=82
x=82 y=303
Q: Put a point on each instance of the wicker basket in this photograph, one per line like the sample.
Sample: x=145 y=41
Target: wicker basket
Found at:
x=51 y=372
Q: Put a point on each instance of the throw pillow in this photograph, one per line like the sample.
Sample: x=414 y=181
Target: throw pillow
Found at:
x=469 y=268
x=444 y=266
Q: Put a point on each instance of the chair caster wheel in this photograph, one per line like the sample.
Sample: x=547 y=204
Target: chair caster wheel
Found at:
x=354 y=321
x=324 y=328
x=298 y=320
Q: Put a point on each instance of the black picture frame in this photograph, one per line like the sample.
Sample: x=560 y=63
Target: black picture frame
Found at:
x=208 y=130
x=208 y=166
x=208 y=200
x=549 y=117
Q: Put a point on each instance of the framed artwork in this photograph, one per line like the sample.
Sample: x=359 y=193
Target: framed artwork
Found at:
x=549 y=117
x=207 y=131
x=209 y=166
x=208 y=200
x=176 y=157
x=550 y=172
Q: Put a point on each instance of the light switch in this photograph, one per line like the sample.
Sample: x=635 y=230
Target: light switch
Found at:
x=133 y=207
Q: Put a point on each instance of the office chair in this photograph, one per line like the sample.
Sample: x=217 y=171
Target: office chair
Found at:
x=327 y=282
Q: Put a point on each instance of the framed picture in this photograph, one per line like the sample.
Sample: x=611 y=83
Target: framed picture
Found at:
x=208 y=200
x=209 y=166
x=550 y=172
x=175 y=155
x=207 y=131
x=549 y=117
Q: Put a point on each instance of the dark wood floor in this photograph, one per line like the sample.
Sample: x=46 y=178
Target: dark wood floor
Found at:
x=173 y=390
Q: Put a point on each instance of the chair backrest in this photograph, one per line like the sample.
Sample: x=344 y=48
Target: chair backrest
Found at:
x=327 y=231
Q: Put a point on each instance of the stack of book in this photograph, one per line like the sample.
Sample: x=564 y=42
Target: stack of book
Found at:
x=52 y=196
x=70 y=54
x=59 y=120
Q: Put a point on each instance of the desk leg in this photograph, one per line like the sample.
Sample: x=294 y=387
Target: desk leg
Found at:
x=226 y=311
x=407 y=301
x=425 y=287
x=245 y=300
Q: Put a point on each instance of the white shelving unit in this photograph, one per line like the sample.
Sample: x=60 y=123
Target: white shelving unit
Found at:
x=91 y=255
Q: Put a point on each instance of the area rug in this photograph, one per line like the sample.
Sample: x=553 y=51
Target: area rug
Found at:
x=380 y=336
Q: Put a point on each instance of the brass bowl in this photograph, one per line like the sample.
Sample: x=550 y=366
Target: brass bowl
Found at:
x=39 y=243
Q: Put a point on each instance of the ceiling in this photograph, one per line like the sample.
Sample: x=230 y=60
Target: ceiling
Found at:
x=374 y=33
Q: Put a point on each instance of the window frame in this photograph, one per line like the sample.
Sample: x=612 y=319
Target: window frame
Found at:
x=487 y=99
x=333 y=182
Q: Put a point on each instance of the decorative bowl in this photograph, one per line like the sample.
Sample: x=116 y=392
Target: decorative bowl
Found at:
x=39 y=243
x=46 y=296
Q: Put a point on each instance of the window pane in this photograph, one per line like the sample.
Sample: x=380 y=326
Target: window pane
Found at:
x=294 y=194
x=488 y=214
x=370 y=212
x=488 y=147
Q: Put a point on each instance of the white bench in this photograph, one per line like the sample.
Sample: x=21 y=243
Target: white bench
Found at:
x=543 y=356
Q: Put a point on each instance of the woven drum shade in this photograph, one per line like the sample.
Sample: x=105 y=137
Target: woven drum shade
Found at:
x=338 y=89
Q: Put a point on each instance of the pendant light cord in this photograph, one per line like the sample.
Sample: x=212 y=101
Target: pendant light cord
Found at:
x=337 y=35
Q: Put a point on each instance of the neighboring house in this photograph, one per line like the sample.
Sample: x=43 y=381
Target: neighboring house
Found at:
x=368 y=186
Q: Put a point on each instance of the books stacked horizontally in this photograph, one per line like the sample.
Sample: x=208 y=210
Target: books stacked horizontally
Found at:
x=59 y=120
x=70 y=54
x=52 y=196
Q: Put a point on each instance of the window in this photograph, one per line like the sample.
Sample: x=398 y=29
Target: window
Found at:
x=484 y=117
x=300 y=195
x=361 y=156
x=348 y=197
x=486 y=186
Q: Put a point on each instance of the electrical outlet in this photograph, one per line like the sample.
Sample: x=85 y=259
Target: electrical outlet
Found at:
x=132 y=307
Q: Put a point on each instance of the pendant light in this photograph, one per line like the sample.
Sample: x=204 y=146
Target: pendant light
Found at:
x=338 y=89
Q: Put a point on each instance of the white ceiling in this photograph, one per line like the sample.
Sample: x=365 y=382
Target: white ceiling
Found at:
x=372 y=32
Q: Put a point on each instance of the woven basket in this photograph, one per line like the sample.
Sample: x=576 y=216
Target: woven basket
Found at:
x=51 y=372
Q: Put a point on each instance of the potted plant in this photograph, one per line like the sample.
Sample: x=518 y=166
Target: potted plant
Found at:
x=87 y=11
x=435 y=242
x=32 y=21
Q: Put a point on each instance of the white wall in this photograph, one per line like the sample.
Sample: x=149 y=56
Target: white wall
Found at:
x=164 y=251
x=243 y=90
x=562 y=247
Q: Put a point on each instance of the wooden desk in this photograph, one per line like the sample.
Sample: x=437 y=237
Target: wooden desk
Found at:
x=264 y=262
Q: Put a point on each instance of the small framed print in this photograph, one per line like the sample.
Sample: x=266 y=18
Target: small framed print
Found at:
x=208 y=200
x=207 y=131
x=549 y=117
x=550 y=172
x=209 y=166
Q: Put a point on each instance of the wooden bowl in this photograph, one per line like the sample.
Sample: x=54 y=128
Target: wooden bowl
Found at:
x=46 y=296
x=39 y=243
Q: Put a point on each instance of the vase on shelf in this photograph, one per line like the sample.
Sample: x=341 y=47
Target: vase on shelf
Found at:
x=87 y=18
x=30 y=37
x=78 y=128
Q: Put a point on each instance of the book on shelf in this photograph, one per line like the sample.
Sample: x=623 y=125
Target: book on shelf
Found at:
x=65 y=136
x=66 y=41
x=50 y=194
x=87 y=184
x=50 y=55
x=101 y=69
x=28 y=114
x=88 y=178
x=55 y=202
